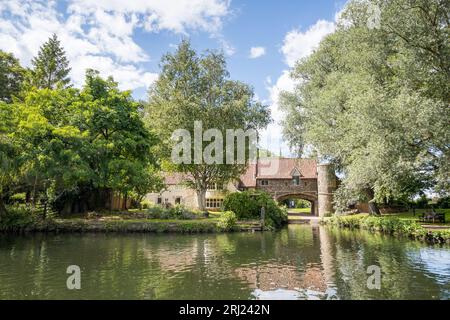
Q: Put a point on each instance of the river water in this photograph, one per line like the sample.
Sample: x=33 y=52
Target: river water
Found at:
x=298 y=262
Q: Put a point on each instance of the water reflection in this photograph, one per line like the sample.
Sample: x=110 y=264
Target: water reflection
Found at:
x=299 y=262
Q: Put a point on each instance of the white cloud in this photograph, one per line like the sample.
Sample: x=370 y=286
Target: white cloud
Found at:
x=299 y=44
x=155 y=15
x=99 y=34
x=296 y=45
x=272 y=137
x=256 y=52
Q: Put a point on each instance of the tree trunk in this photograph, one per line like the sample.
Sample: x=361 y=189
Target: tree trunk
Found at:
x=125 y=200
x=373 y=207
x=201 y=199
x=3 y=210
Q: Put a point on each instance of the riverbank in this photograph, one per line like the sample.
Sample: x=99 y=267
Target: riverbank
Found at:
x=390 y=225
x=123 y=222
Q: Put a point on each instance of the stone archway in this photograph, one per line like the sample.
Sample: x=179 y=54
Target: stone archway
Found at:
x=303 y=196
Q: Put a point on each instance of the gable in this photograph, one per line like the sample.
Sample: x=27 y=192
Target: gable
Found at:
x=296 y=173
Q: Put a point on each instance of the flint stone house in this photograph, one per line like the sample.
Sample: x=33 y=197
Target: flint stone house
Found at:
x=283 y=178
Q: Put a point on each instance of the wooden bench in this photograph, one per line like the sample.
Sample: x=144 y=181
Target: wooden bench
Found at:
x=432 y=217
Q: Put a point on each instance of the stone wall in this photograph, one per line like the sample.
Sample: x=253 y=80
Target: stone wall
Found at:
x=279 y=186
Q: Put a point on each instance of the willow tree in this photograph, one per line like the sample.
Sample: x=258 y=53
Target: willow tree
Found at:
x=375 y=100
x=193 y=89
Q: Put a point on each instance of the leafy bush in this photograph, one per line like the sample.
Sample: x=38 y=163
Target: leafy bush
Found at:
x=18 y=217
x=146 y=204
x=444 y=203
x=155 y=212
x=178 y=212
x=227 y=221
x=19 y=197
x=247 y=205
x=393 y=226
x=243 y=204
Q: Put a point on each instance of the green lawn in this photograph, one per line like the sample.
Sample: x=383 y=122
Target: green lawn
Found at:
x=410 y=216
x=300 y=210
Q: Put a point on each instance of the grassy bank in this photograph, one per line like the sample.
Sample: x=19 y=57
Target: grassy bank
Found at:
x=121 y=222
x=390 y=225
x=414 y=217
x=83 y=225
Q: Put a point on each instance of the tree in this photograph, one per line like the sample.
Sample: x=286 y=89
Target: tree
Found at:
x=197 y=88
x=8 y=153
x=121 y=146
x=375 y=101
x=51 y=66
x=11 y=76
x=79 y=147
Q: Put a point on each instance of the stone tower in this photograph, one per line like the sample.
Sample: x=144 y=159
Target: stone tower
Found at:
x=326 y=185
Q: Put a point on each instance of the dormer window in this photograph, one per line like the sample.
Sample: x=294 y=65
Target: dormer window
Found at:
x=295 y=173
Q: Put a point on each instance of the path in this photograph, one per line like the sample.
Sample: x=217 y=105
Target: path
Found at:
x=302 y=218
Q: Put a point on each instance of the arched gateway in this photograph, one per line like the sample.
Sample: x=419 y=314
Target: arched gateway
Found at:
x=282 y=178
x=287 y=178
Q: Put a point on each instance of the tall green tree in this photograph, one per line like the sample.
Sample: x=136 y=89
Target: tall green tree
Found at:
x=194 y=87
x=9 y=161
x=51 y=66
x=77 y=147
x=376 y=100
x=122 y=149
x=11 y=76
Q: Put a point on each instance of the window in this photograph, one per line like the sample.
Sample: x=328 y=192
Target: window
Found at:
x=264 y=182
x=296 y=180
x=159 y=200
x=214 y=186
x=178 y=200
x=214 y=203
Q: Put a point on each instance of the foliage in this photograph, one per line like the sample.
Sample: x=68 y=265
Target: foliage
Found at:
x=227 y=221
x=51 y=67
x=146 y=204
x=300 y=203
x=247 y=205
x=243 y=204
x=11 y=76
x=444 y=203
x=197 y=88
x=177 y=212
x=375 y=101
x=392 y=226
x=18 y=217
x=64 y=144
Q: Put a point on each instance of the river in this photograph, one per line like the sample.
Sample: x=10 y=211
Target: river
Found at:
x=298 y=262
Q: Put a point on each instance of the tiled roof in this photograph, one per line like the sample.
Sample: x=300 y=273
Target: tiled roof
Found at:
x=174 y=178
x=280 y=168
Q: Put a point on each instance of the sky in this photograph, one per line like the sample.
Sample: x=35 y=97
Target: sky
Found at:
x=261 y=39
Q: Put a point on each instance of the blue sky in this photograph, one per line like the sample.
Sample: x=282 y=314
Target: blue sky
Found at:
x=126 y=39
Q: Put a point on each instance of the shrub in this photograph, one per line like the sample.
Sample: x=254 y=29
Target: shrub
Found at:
x=155 y=212
x=18 y=217
x=178 y=212
x=247 y=205
x=227 y=221
x=243 y=204
x=19 y=197
x=393 y=226
x=444 y=203
x=146 y=204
